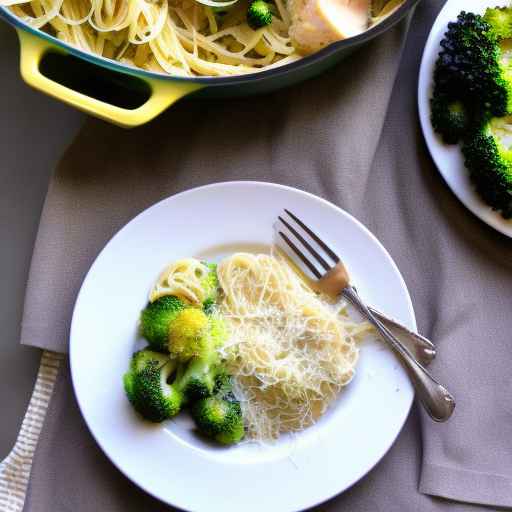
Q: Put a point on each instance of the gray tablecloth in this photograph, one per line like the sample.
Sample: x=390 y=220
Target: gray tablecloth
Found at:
x=330 y=136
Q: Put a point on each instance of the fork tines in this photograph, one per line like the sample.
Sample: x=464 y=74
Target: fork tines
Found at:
x=308 y=239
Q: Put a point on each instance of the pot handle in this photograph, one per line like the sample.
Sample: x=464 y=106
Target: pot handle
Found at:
x=163 y=92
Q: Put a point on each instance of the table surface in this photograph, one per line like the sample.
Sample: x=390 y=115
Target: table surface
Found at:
x=48 y=126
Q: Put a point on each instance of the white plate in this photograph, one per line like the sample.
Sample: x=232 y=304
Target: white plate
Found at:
x=168 y=460
x=448 y=158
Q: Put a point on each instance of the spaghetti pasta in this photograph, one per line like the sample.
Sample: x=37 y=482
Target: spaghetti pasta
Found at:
x=185 y=279
x=178 y=37
x=290 y=352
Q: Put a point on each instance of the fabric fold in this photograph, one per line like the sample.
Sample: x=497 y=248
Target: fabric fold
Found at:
x=483 y=488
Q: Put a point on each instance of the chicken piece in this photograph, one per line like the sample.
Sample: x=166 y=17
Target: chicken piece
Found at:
x=317 y=23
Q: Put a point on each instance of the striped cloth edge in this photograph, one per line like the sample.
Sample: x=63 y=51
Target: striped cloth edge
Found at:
x=15 y=468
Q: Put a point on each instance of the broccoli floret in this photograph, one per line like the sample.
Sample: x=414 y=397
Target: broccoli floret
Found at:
x=259 y=14
x=200 y=377
x=204 y=372
x=223 y=384
x=147 y=389
x=158 y=386
x=210 y=284
x=194 y=339
x=450 y=118
x=209 y=306
x=220 y=418
x=188 y=334
x=488 y=155
x=217 y=331
x=471 y=69
x=194 y=334
x=156 y=318
x=500 y=19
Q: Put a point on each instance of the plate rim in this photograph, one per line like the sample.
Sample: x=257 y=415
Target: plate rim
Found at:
x=468 y=197
x=237 y=183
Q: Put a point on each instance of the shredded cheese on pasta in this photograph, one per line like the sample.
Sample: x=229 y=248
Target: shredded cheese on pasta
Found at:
x=290 y=352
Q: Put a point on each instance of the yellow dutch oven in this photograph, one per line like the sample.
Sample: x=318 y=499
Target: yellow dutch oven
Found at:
x=130 y=97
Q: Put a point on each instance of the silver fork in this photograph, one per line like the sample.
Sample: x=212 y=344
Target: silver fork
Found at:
x=335 y=281
x=421 y=348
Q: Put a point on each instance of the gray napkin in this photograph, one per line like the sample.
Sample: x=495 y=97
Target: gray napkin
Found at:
x=329 y=136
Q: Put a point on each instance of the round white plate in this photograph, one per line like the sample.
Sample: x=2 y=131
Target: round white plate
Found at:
x=448 y=158
x=168 y=460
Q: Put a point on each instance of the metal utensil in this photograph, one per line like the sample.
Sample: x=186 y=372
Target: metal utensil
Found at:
x=334 y=281
x=422 y=349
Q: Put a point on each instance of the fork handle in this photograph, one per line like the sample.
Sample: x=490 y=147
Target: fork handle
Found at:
x=421 y=348
x=436 y=400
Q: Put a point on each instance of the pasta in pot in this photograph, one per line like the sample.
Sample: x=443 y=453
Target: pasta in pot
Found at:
x=183 y=38
x=176 y=37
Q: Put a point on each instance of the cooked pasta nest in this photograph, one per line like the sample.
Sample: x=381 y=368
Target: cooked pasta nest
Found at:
x=183 y=278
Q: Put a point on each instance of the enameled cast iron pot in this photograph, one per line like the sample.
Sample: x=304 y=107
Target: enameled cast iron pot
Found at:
x=131 y=97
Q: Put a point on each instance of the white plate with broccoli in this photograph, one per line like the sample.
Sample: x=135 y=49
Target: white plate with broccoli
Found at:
x=458 y=121
x=170 y=460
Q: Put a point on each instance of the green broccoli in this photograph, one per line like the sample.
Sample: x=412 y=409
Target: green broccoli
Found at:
x=488 y=155
x=219 y=417
x=188 y=334
x=209 y=306
x=158 y=387
x=156 y=318
x=194 y=334
x=450 y=118
x=500 y=19
x=210 y=284
x=217 y=331
x=259 y=14
x=205 y=373
x=471 y=71
x=199 y=377
x=223 y=384
x=194 y=339
x=147 y=389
